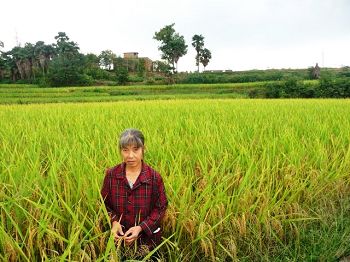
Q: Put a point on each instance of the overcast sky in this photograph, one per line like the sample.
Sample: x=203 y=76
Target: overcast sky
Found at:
x=249 y=34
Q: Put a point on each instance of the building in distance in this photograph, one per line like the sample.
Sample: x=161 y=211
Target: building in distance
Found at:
x=133 y=61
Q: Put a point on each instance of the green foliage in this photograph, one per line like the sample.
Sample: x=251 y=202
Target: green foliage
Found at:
x=345 y=71
x=290 y=88
x=326 y=87
x=2 y=67
x=334 y=88
x=67 y=67
x=99 y=74
x=240 y=76
x=31 y=64
x=43 y=54
x=106 y=59
x=141 y=69
x=122 y=76
x=92 y=68
x=135 y=78
x=205 y=56
x=274 y=90
x=152 y=90
x=229 y=76
x=65 y=47
x=121 y=71
x=92 y=61
x=150 y=81
x=161 y=67
x=66 y=71
x=310 y=71
x=198 y=44
x=172 y=46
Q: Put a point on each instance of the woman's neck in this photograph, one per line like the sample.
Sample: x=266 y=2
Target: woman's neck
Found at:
x=133 y=169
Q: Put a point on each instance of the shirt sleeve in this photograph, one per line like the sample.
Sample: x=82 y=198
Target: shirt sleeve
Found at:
x=152 y=222
x=106 y=195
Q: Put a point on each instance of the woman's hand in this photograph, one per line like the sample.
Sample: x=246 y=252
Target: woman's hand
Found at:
x=117 y=230
x=132 y=234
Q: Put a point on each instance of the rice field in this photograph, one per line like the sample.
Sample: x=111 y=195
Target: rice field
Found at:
x=27 y=94
x=247 y=180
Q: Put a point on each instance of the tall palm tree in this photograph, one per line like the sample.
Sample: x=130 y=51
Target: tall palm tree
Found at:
x=205 y=57
x=24 y=58
x=17 y=55
x=29 y=60
x=43 y=54
x=198 y=44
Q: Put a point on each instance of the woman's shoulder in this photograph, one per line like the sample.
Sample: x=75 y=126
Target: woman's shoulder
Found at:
x=152 y=172
x=114 y=169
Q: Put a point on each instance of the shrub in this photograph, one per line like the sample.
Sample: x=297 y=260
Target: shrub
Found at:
x=122 y=75
x=135 y=78
x=150 y=81
x=334 y=88
x=290 y=88
x=67 y=71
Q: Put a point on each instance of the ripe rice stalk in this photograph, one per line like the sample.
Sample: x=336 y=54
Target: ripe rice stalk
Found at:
x=282 y=164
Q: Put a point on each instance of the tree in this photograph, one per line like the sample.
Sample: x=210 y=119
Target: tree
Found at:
x=205 y=57
x=106 y=59
x=92 y=61
x=172 y=46
x=65 y=47
x=2 y=62
x=2 y=66
x=18 y=56
x=9 y=65
x=29 y=60
x=198 y=44
x=92 y=68
x=141 y=68
x=161 y=67
x=67 y=66
x=44 y=54
x=66 y=71
x=121 y=71
x=24 y=62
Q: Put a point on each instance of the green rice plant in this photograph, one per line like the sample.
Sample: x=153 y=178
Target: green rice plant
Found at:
x=246 y=179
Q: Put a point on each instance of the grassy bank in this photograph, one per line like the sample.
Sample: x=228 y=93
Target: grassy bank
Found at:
x=23 y=94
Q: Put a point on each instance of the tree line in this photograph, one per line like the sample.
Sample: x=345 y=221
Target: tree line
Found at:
x=62 y=64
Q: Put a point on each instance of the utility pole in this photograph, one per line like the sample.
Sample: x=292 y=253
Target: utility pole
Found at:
x=16 y=38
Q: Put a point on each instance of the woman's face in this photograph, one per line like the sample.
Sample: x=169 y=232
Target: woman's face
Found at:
x=132 y=155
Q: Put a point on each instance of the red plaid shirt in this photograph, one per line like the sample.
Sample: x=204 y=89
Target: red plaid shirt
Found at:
x=143 y=205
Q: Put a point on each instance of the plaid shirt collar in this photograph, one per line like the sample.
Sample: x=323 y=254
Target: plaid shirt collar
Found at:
x=144 y=177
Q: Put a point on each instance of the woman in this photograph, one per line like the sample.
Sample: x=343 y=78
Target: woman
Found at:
x=134 y=194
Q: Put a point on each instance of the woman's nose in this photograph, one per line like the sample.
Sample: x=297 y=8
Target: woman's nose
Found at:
x=131 y=154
